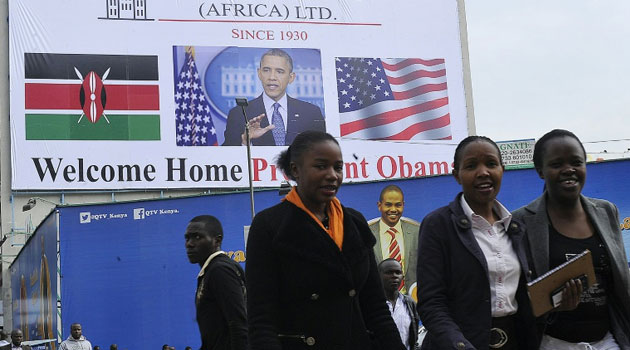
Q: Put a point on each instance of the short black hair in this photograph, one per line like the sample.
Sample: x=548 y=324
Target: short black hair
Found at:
x=539 y=147
x=303 y=142
x=279 y=53
x=380 y=265
x=471 y=139
x=211 y=224
x=390 y=188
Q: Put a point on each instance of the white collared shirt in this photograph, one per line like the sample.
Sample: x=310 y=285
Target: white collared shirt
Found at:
x=401 y=317
x=504 y=269
x=386 y=239
x=269 y=102
x=212 y=256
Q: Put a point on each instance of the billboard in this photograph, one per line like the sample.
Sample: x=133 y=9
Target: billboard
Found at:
x=34 y=285
x=145 y=97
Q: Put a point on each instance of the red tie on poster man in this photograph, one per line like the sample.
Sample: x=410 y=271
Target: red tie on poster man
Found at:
x=394 y=251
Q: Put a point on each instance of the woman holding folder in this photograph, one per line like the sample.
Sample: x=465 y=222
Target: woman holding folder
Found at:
x=562 y=223
x=471 y=262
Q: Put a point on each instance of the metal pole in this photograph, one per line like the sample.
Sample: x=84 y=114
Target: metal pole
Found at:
x=249 y=166
x=243 y=103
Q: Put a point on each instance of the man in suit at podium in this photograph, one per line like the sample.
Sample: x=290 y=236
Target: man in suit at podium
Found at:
x=275 y=118
x=396 y=236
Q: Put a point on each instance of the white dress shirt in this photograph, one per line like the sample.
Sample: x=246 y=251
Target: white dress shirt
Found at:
x=401 y=317
x=269 y=102
x=504 y=269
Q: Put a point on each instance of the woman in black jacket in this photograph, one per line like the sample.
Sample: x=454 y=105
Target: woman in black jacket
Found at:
x=312 y=280
x=472 y=264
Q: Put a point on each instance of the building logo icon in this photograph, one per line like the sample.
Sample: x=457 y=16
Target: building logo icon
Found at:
x=130 y=10
x=85 y=217
x=138 y=213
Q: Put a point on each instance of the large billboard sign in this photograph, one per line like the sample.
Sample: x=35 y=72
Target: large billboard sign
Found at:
x=116 y=94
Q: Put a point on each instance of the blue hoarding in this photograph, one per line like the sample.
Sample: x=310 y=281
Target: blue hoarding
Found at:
x=34 y=284
x=126 y=278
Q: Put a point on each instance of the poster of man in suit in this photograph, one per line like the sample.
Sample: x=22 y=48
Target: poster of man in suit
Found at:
x=396 y=236
x=284 y=89
x=274 y=117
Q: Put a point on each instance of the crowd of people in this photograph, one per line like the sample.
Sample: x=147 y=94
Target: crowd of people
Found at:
x=312 y=279
x=75 y=341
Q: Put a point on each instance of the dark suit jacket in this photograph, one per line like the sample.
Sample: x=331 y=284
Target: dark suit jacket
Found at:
x=304 y=293
x=8 y=347
x=220 y=303
x=415 y=321
x=605 y=219
x=301 y=116
x=453 y=287
x=410 y=230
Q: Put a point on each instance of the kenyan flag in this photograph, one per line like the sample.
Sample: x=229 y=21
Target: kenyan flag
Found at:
x=91 y=97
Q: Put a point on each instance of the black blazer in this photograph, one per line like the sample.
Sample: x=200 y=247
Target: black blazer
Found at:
x=301 y=116
x=453 y=287
x=304 y=293
x=415 y=321
x=8 y=347
x=220 y=304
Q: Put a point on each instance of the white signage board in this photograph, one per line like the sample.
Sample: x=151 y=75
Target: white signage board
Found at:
x=138 y=94
x=517 y=154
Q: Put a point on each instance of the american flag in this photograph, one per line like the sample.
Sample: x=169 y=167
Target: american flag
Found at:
x=393 y=99
x=194 y=126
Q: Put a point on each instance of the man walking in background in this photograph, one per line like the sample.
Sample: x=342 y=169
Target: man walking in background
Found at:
x=76 y=340
x=402 y=307
x=220 y=298
x=16 y=342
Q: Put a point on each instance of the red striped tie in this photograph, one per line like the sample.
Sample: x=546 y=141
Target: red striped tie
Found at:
x=394 y=251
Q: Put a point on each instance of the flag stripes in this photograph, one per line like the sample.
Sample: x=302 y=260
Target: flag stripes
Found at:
x=393 y=99
x=61 y=66
x=194 y=125
x=65 y=127
x=91 y=97
x=66 y=96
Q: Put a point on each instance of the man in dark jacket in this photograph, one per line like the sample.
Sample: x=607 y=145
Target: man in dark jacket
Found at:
x=402 y=307
x=220 y=298
x=16 y=341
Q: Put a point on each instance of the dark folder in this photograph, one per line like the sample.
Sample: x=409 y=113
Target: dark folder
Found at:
x=545 y=292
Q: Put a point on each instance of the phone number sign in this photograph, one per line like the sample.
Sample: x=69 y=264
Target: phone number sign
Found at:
x=517 y=154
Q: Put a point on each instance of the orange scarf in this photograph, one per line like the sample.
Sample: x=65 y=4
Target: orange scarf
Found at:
x=335 y=216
